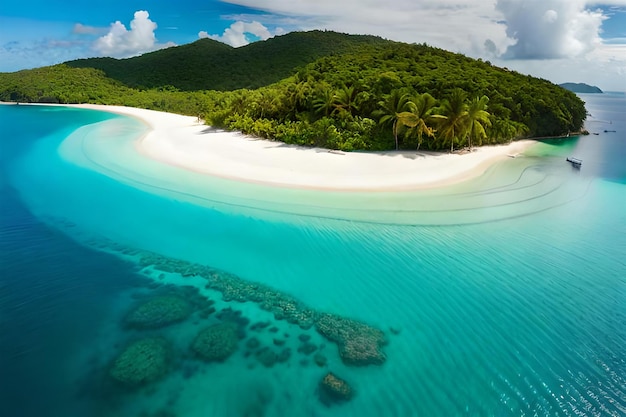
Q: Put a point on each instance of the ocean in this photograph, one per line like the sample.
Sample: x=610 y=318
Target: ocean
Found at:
x=501 y=296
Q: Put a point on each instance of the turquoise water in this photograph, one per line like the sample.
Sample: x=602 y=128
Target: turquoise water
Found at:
x=504 y=295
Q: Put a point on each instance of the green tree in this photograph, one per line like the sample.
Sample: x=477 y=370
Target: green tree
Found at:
x=299 y=94
x=504 y=130
x=453 y=118
x=477 y=120
x=389 y=110
x=419 y=117
x=324 y=101
x=239 y=102
x=267 y=102
x=346 y=100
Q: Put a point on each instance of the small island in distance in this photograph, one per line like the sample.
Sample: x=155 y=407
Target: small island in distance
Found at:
x=581 y=88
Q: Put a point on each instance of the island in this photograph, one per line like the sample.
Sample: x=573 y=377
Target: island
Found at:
x=581 y=88
x=320 y=89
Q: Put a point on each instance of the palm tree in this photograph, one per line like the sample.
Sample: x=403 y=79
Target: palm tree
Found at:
x=505 y=130
x=453 y=120
x=477 y=120
x=324 y=102
x=346 y=100
x=501 y=130
x=294 y=97
x=300 y=93
x=419 y=116
x=520 y=129
x=390 y=109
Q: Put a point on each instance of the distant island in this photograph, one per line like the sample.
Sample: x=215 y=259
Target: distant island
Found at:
x=322 y=89
x=581 y=88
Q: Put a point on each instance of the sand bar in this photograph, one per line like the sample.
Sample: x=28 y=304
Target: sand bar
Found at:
x=184 y=142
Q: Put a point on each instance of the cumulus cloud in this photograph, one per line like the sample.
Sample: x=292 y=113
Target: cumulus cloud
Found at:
x=241 y=33
x=548 y=29
x=121 y=42
x=457 y=25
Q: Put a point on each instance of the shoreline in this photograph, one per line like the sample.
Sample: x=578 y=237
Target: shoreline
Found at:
x=187 y=143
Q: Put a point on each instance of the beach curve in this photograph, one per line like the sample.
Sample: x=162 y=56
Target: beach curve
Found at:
x=185 y=142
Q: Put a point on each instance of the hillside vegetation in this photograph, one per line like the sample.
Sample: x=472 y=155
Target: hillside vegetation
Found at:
x=320 y=89
x=210 y=65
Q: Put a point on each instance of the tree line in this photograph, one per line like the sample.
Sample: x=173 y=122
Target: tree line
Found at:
x=348 y=119
x=376 y=95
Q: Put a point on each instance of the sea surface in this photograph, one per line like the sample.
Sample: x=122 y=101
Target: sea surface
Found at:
x=504 y=295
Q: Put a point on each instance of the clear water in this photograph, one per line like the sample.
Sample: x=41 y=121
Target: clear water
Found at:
x=507 y=292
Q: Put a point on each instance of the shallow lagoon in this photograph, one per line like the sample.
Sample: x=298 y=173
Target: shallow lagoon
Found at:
x=501 y=296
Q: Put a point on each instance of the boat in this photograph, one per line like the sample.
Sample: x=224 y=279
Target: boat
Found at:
x=576 y=163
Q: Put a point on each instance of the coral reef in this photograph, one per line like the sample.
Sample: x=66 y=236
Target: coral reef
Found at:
x=307 y=348
x=279 y=342
x=359 y=344
x=257 y=327
x=320 y=360
x=281 y=305
x=253 y=343
x=158 y=312
x=267 y=357
x=162 y=263
x=333 y=389
x=217 y=342
x=235 y=316
x=141 y=362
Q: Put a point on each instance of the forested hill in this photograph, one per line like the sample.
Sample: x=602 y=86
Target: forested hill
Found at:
x=320 y=89
x=210 y=65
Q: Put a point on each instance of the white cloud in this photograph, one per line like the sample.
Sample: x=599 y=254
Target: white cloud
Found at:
x=548 y=29
x=121 y=42
x=606 y=3
x=568 y=33
x=550 y=16
x=456 y=25
x=240 y=33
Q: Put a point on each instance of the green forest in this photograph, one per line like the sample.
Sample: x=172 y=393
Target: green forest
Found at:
x=325 y=89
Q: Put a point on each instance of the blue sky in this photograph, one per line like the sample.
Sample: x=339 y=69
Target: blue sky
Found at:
x=561 y=40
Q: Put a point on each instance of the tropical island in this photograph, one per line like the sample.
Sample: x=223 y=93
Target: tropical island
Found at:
x=322 y=89
x=289 y=263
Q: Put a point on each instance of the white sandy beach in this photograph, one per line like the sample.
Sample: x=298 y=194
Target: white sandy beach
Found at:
x=185 y=142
